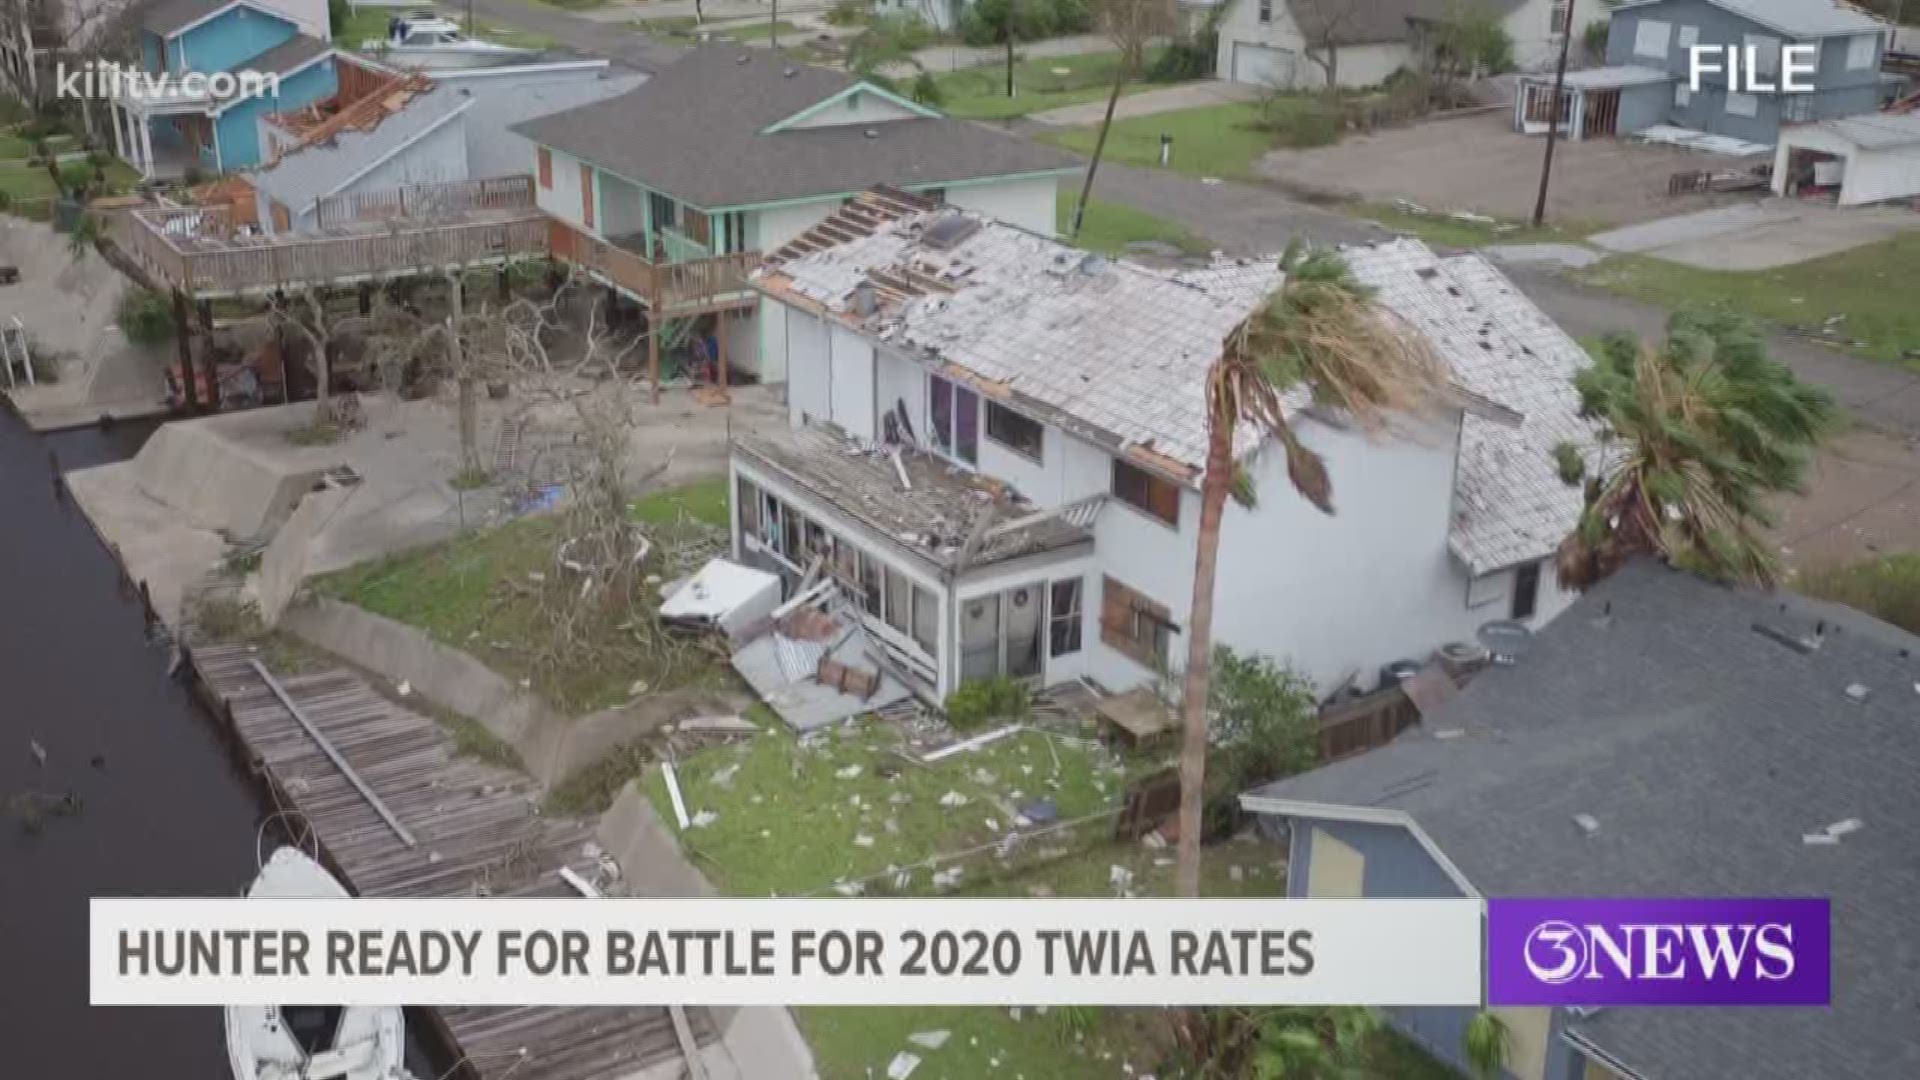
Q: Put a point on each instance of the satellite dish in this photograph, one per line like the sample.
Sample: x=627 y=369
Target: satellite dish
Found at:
x=1504 y=639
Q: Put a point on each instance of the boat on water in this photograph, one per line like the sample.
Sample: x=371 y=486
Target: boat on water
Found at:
x=312 y=1042
x=423 y=39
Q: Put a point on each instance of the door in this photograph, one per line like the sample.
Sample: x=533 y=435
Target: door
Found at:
x=1262 y=65
x=1023 y=631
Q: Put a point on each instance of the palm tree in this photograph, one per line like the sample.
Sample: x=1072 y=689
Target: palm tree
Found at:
x=1698 y=434
x=1315 y=1044
x=1319 y=330
x=1488 y=1043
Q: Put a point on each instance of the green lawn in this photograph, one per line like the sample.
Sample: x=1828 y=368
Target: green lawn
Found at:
x=1870 y=286
x=1439 y=228
x=1887 y=587
x=13 y=147
x=26 y=182
x=1110 y=227
x=980 y=93
x=1213 y=140
x=489 y=594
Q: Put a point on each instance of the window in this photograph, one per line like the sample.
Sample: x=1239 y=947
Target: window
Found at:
x=1135 y=626
x=926 y=621
x=1015 y=432
x=955 y=412
x=546 y=168
x=1766 y=53
x=697 y=227
x=1682 y=95
x=1266 y=12
x=937 y=194
x=1688 y=36
x=747 y=499
x=1862 y=49
x=899 y=587
x=662 y=209
x=1146 y=492
x=586 y=194
x=870 y=585
x=1650 y=38
x=1797 y=108
x=1742 y=104
x=1526 y=591
x=733 y=226
x=1063 y=618
x=1557 y=18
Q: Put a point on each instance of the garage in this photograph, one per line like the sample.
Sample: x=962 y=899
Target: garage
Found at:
x=1851 y=160
x=1262 y=65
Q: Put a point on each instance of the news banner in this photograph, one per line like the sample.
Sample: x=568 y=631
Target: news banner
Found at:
x=1460 y=952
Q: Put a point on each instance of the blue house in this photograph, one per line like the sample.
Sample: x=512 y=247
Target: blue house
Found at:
x=1665 y=736
x=215 y=67
x=1646 y=78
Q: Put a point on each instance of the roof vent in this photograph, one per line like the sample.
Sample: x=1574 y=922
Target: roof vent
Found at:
x=1588 y=823
x=1505 y=640
x=864 y=300
x=946 y=232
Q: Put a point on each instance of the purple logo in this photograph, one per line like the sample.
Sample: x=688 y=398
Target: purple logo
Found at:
x=1658 y=952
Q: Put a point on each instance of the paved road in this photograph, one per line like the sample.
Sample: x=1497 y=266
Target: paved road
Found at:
x=585 y=36
x=1192 y=95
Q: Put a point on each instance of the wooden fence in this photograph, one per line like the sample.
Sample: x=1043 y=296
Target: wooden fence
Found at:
x=1362 y=723
x=426 y=202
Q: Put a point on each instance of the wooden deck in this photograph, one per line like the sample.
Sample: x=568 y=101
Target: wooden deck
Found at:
x=477 y=833
x=678 y=289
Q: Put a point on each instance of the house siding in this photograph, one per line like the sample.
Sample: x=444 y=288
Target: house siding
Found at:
x=862 y=107
x=562 y=200
x=228 y=41
x=1359 y=65
x=441 y=156
x=1031 y=204
x=238 y=127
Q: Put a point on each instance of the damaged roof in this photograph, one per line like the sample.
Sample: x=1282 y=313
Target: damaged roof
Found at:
x=321 y=168
x=1510 y=505
x=699 y=131
x=1704 y=731
x=934 y=515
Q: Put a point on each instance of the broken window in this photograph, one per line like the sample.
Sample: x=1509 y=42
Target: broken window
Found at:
x=926 y=621
x=870 y=584
x=1063 y=618
x=955 y=413
x=980 y=638
x=1146 y=492
x=1134 y=625
x=899 y=613
x=1015 y=432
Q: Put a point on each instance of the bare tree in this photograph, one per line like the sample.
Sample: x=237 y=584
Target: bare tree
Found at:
x=1327 y=27
x=1131 y=25
x=303 y=309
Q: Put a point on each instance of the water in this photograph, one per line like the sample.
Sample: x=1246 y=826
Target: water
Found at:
x=164 y=809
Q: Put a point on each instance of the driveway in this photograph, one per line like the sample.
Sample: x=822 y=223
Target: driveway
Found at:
x=1479 y=163
x=1191 y=95
x=1758 y=235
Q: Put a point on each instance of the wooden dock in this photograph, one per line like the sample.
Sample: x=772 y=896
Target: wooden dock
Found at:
x=478 y=833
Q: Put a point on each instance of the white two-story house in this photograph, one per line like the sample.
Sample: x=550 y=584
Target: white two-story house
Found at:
x=996 y=442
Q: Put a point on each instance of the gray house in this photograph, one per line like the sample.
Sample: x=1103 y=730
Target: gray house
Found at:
x=1665 y=736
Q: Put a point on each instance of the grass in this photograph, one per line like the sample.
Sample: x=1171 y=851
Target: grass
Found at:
x=13 y=146
x=1439 y=228
x=1888 y=587
x=488 y=594
x=980 y=93
x=1110 y=227
x=760 y=31
x=1213 y=140
x=1868 y=286
x=704 y=501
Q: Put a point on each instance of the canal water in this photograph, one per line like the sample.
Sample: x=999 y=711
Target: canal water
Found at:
x=158 y=805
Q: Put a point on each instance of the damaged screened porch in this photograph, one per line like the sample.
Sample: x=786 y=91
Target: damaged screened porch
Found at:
x=946 y=577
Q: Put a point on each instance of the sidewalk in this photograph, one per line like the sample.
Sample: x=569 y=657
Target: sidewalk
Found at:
x=1146 y=103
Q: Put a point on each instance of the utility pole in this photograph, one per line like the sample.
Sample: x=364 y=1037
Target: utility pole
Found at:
x=1553 y=118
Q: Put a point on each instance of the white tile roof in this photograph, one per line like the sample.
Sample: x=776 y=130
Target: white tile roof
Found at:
x=1876 y=131
x=1510 y=505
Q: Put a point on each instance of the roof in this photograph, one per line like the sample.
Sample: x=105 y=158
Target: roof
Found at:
x=1603 y=78
x=1795 y=18
x=314 y=171
x=295 y=52
x=1670 y=710
x=1351 y=23
x=169 y=17
x=1510 y=505
x=696 y=131
x=1875 y=131
x=932 y=518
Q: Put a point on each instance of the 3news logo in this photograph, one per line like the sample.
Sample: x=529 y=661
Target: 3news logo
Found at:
x=1659 y=952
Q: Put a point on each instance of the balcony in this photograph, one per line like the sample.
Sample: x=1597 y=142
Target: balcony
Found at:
x=674 y=289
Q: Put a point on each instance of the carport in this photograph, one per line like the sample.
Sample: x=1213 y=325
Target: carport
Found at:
x=1850 y=160
x=1598 y=102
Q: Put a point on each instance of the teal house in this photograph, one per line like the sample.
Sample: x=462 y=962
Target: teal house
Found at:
x=210 y=69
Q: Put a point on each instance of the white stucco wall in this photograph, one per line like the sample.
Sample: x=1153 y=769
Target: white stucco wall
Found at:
x=1028 y=203
x=563 y=200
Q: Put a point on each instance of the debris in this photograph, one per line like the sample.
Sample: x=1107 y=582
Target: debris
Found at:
x=900 y=468
x=1015 y=1013
x=1041 y=812
x=863 y=840
x=1119 y=877
x=638 y=687
x=720 y=724
x=404 y=689
x=931 y=1040
x=705 y=818
x=902 y=1065
x=948 y=878
x=39 y=752
x=1236 y=874
x=849 y=888
x=1842 y=828
x=953 y=800
x=1153 y=839
x=673 y=793
x=992 y=825
x=892 y=826
x=1471 y=218
x=724 y=776
x=1587 y=822
x=974 y=743
x=1859 y=692
x=847 y=773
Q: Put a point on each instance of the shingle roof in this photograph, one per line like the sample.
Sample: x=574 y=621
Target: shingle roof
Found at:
x=170 y=16
x=1705 y=749
x=1876 y=131
x=694 y=131
x=1796 y=18
x=1361 y=22
x=1510 y=505
x=313 y=172
x=286 y=56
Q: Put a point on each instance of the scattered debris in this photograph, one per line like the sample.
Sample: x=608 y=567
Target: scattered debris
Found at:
x=405 y=689
x=704 y=818
x=1859 y=692
x=1041 y=812
x=673 y=793
x=720 y=724
x=723 y=776
x=848 y=773
x=863 y=840
x=1587 y=822
x=972 y=744
x=953 y=800
x=930 y=1040
x=1235 y=874
x=902 y=1065
x=39 y=752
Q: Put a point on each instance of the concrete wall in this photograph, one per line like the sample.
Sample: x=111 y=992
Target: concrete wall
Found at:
x=217 y=484
x=1030 y=203
x=283 y=563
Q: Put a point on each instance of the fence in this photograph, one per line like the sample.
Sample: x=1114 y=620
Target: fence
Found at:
x=1359 y=724
x=677 y=288
x=426 y=202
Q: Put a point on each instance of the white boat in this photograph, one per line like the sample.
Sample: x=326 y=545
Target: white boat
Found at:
x=422 y=39
x=312 y=1042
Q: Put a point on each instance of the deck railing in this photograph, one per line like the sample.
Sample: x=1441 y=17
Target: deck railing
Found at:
x=426 y=202
x=711 y=284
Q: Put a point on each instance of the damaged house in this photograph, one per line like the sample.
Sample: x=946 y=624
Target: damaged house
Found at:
x=996 y=440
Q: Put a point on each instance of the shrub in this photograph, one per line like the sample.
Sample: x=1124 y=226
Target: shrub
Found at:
x=1186 y=59
x=1263 y=724
x=926 y=90
x=145 y=316
x=1887 y=588
x=1594 y=39
x=1299 y=121
x=1568 y=461
x=76 y=177
x=339 y=14
x=849 y=12
x=981 y=700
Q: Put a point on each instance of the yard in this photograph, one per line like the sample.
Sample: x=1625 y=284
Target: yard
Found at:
x=1439 y=227
x=1225 y=141
x=980 y=93
x=491 y=595
x=1861 y=295
x=1109 y=227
